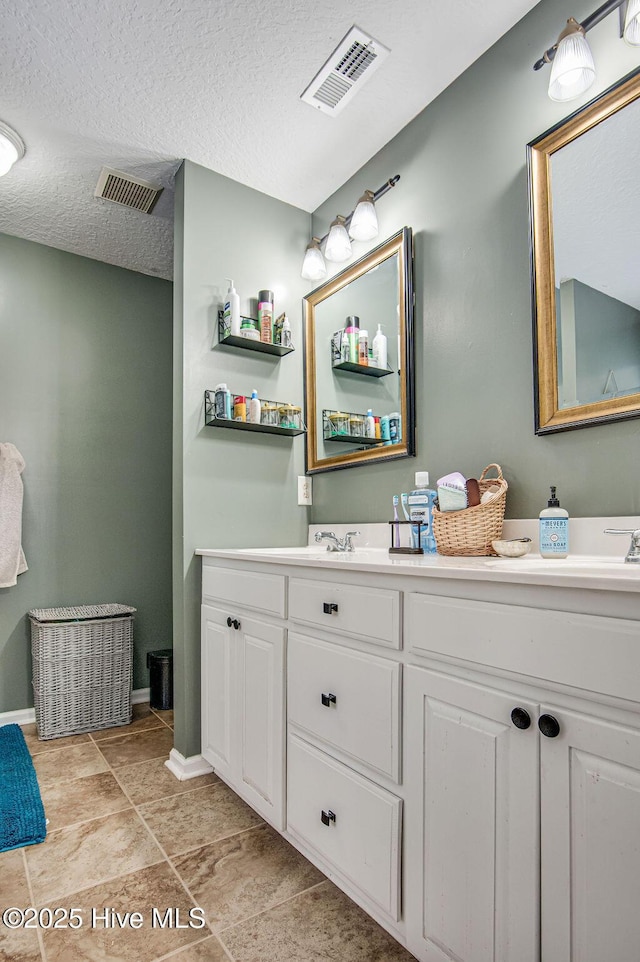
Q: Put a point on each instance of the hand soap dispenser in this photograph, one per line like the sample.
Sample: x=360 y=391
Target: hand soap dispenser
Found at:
x=554 y=529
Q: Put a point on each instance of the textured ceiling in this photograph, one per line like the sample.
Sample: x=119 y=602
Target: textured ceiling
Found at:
x=140 y=85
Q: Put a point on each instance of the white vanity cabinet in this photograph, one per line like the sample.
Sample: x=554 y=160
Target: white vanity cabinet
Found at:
x=460 y=754
x=525 y=811
x=243 y=688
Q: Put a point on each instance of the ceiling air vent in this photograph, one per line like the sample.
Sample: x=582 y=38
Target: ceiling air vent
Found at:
x=353 y=61
x=124 y=189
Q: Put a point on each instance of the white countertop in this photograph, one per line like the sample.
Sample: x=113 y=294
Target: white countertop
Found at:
x=576 y=571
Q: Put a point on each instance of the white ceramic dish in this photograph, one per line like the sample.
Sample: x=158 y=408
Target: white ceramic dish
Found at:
x=511 y=549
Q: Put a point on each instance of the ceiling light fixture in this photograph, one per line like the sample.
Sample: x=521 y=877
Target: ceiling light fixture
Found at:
x=11 y=148
x=361 y=224
x=573 y=70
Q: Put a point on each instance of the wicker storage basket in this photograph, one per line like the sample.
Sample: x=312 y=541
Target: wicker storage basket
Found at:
x=82 y=668
x=471 y=531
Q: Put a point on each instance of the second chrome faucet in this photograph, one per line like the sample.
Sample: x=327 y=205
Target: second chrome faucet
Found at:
x=334 y=543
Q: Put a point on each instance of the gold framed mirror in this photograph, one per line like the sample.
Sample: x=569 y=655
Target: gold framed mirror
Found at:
x=585 y=249
x=359 y=390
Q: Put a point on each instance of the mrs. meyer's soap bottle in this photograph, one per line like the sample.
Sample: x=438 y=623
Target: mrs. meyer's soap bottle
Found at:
x=554 y=529
x=420 y=503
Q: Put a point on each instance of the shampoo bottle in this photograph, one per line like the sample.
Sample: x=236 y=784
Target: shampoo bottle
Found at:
x=380 y=349
x=232 y=311
x=554 y=529
x=420 y=503
x=254 y=408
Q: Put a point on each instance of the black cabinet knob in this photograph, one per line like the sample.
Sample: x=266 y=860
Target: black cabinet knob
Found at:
x=236 y=623
x=549 y=726
x=328 y=700
x=330 y=608
x=233 y=623
x=229 y=622
x=521 y=718
x=327 y=817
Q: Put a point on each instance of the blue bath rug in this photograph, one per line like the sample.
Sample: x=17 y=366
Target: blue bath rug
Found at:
x=22 y=819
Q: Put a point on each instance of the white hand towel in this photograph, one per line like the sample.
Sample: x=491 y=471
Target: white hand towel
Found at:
x=12 y=559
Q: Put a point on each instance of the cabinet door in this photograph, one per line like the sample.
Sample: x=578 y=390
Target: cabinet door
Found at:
x=590 y=832
x=472 y=881
x=260 y=695
x=218 y=657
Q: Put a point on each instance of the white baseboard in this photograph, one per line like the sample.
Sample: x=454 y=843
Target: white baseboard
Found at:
x=26 y=716
x=184 y=768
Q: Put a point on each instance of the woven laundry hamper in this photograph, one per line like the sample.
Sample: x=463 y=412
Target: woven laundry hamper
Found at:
x=82 y=668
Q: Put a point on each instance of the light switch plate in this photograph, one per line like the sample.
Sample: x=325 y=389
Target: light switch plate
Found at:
x=304 y=490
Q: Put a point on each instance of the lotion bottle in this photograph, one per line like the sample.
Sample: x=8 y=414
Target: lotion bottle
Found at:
x=380 y=348
x=254 y=408
x=232 y=310
x=554 y=529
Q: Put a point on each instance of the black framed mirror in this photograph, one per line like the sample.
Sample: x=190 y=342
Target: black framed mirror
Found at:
x=359 y=361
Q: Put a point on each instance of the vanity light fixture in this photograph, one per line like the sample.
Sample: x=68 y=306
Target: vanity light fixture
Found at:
x=631 y=31
x=338 y=246
x=364 y=223
x=313 y=266
x=11 y=148
x=572 y=67
x=361 y=224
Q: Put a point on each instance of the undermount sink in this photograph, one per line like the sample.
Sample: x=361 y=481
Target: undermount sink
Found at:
x=579 y=564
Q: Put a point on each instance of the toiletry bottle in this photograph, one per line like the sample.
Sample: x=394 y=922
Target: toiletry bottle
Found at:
x=371 y=424
x=286 y=333
x=395 y=431
x=420 y=503
x=380 y=349
x=385 y=433
x=232 y=311
x=352 y=330
x=222 y=402
x=265 y=316
x=378 y=433
x=363 y=347
x=554 y=529
x=254 y=408
x=239 y=408
x=248 y=330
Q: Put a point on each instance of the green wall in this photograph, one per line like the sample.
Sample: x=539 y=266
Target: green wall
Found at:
x=232 y=489
x=85 y=395
x=463 y=189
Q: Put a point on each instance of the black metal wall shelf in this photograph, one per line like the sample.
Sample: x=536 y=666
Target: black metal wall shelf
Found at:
x=211 y=421
x=247 y=343
x=367 y=369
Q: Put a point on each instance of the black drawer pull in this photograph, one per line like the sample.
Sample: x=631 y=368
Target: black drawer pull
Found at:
x=327 y=817
x=549 y=726
x=521 y=718
x=328 y=700
x=330 y=608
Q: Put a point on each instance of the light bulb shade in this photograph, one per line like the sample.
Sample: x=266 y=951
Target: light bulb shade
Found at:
x=632 y=23
x=11 y=148
x=338 y=246
x=313 y=265
x=364 y=223
x=572 y=70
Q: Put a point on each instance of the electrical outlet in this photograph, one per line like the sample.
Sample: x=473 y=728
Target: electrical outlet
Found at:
x=304 y=490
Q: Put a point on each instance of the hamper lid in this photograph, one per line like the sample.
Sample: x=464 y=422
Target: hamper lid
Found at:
x=81 y=612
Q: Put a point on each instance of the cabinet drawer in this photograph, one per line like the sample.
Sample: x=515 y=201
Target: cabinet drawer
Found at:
x=584 y=651
x=362 y=716
x=362 y=839
x=248 y=589
x=372 y=614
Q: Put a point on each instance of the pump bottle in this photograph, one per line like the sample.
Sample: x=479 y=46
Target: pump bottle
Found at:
x=554 y=529
x=380 y=348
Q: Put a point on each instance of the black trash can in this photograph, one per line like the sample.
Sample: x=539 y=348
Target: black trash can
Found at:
x=160 y=665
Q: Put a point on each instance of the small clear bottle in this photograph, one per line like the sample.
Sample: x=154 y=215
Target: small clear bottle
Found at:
x=554 y=529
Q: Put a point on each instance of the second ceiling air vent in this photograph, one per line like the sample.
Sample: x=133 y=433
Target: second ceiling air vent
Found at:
x=127 y=190
x=353 y=61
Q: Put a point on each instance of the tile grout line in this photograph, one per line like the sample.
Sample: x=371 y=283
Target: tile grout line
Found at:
x=33 y=902
x=276 y=905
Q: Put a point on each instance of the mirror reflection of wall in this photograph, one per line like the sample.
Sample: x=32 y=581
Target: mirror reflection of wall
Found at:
x=596 y=213
x=373 y=298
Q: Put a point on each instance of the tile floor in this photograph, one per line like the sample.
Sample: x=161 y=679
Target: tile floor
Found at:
x=125 y=836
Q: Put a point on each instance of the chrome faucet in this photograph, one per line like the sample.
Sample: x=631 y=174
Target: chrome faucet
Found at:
x=334 y=542
x=633 y=554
